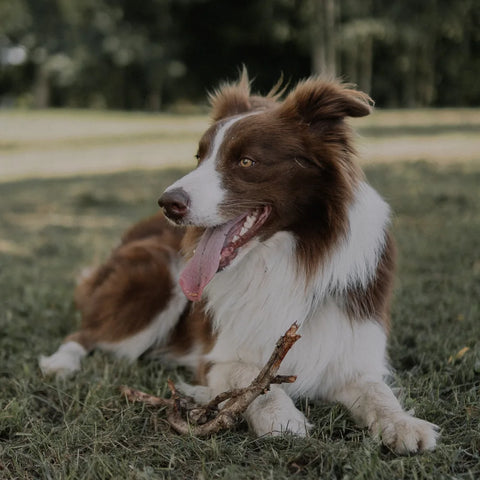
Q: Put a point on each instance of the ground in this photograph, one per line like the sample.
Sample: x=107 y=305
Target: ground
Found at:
x=425 y=163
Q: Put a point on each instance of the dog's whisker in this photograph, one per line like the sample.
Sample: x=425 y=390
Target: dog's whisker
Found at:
x=245 y=204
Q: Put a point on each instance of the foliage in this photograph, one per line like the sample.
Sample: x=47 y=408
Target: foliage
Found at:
x=144 y=55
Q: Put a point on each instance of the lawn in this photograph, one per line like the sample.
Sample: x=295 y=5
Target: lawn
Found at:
x=82 y=428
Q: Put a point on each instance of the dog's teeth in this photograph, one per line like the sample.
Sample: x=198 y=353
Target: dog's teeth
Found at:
x=249 y=221
x=247 y=225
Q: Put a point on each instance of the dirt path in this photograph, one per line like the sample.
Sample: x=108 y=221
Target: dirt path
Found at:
x=70 y=143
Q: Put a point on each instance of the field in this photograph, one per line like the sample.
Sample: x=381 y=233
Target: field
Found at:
x=71 y=182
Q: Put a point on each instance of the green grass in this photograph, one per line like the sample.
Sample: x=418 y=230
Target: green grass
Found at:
x=83 y=428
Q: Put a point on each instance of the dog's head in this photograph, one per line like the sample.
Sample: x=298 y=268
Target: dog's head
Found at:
x=266 y=166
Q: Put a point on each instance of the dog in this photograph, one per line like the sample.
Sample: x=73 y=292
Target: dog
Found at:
x=277 y=224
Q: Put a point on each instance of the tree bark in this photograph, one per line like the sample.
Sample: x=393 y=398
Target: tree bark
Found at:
x=366 y=61
x=322 y=35
x=41 y=88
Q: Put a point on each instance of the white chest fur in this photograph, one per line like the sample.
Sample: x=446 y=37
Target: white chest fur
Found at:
x=256 y=300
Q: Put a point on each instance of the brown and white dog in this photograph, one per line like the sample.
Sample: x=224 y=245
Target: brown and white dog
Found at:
x=276 y=225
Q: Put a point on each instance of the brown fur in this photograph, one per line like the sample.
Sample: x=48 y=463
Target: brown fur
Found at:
x=374 y=300
x=235 y=98
x=304 y=156
x=190 y=241
x=155 y=226
x=301 y=146
x=122 y=296
x=193 y=330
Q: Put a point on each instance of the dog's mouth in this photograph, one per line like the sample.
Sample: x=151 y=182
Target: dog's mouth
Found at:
x=217 y=248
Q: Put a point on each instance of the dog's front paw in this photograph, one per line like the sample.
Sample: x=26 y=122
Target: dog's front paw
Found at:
x=406 y=434
x=276 y=415
x=64 y=362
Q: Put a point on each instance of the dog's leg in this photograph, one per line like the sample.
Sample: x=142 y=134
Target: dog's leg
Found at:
x=374 y=405
x=66 y=360
x=270 y=414
x=128 y=305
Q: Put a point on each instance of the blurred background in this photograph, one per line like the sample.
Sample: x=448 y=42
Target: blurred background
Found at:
x=164 y=54
x=95 y=86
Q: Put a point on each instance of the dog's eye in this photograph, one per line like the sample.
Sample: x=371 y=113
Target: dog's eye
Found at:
x=246 y=162
x=197 y=157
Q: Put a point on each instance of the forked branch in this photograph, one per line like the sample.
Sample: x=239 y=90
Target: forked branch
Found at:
x=223 y=412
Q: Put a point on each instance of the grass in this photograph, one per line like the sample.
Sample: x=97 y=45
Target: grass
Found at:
x=81 y=428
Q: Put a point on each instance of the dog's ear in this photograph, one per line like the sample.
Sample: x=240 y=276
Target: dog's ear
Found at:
x=314 y=100
x=231 y=98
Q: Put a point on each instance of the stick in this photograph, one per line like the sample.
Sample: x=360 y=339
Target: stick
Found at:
x=133 y=396
x=187 y=417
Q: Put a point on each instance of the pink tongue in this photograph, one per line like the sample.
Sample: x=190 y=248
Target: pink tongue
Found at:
x=205 y=262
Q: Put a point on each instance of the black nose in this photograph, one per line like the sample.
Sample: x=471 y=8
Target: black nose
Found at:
x=175 y=203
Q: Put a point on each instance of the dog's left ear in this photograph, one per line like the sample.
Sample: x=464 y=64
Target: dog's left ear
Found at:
x=315 y=99
x=231 y=98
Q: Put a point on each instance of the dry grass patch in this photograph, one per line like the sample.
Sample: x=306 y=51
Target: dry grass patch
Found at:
x=67 y=142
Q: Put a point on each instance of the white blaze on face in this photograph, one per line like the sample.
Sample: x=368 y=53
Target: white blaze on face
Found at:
x=204 y=184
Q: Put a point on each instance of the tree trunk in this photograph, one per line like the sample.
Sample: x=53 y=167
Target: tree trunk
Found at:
x=366 y=60
x=322 y=31
x=154 y=100
x=349 y=66
x=41 y=88
x=409 y=81
x=426 y=84
x=330 y=42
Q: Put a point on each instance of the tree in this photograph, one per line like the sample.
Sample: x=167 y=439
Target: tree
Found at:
x=323 y=14
x=144 y=55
